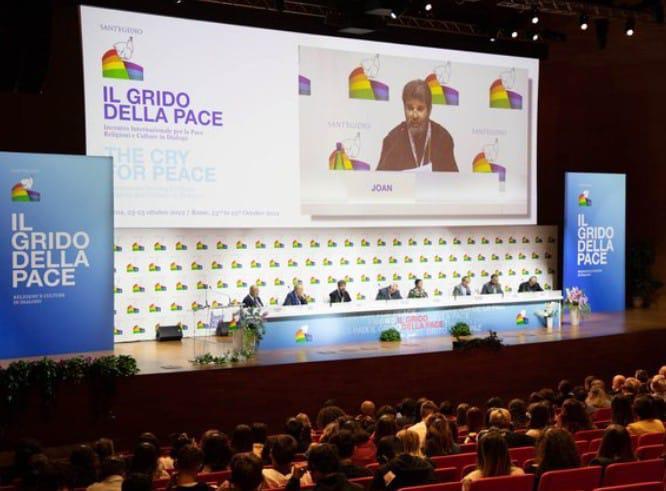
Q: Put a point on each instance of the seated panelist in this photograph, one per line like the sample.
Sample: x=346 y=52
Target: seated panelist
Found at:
x=252 y=299
x=340 y=294
x=296 y=296
x=492 y=287
x=417 y=291
x=463 y=288
x=390 y=292
x=531 y=285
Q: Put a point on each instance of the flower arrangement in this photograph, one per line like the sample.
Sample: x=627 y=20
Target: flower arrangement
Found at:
x=576 y=299
x=549 y=310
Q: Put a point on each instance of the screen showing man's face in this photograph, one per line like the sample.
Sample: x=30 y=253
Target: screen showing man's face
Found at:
x=416 y=115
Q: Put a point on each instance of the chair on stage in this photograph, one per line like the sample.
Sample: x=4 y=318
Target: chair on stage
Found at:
x=446 y=474
x=520 y=454
x=650 y=452
x=633 y=472
x=504 y=483
x=644 y=486
x=581 y=479
x=448 y=486
x=651 y=439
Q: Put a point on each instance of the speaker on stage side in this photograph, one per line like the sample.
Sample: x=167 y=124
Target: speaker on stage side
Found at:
x=169 y=333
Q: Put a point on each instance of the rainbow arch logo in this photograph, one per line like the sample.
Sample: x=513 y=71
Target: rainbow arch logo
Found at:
x=521 y=318
x=362 y=83
x=23 y=192
x=483 y=165
x=116 y=64
x=584 y=199
x=441 y=93
x=501 y=95
x=302 y=335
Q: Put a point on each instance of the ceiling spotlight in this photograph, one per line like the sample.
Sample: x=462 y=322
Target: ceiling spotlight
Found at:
x=535 y=36
x=428 y=6
x=629 y=27
x=534 y=16
x=393 y=15
x=493 y=39
x=514 y=34
x=584 y=22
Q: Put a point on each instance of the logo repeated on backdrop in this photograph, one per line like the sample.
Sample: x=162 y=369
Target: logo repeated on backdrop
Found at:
x=362 y=82
x=367 y=263
x=116 y=62
x=501 y=94
x=344 y=155
x=23 y=191
x=438 y=81
x=584 y=199
x=304 y=85
x=485 y=162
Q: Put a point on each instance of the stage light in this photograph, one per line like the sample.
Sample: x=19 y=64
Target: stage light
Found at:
x=514 y=34
x=427 y=7
x=630 y=27
x=535 y=36
x=493 y=39
x=393 y=15
x=534 y=16
x=583 y=22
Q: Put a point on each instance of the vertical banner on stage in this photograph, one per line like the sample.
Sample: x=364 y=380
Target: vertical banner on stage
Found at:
x=594 y=238
x=56 y=254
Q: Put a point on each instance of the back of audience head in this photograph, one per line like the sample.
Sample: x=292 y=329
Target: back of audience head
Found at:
x=84 y=465
x=574 y=416
x=104 y=448
x=283 y=450
x=149 y=438
x=368 y=409
x=343 y=440
x=439 y=438
x=246 y=472
x=323 y=460
x=518 y=410
x=493 y=454
x=461 y=414
x=631 y=386
x=386 y=425
x=588 y=382
x=644 y=408
x=642 y=376
x=474 y=420
x=178 y=441
x=217 y=452
x=328 y=415
x=386 y=409
x=564 y=388
x=535 y=397
x=548 y=395
x=616 y=444
x=500 y=418
x=448 y=409
x=301 y=433
x=111 y=466
x=144 y=460
x=428 y=408
x=409 y=408
x=137 y=481
x=389 y=447
x=597 y=398
x=618 y=383
x=189 y=460
x=662 y=370
x=621 y=410
x=259 y=433
x=580 y=393
x=539 y=415
x=241 y=439
x=495 y=402
x=410 y=442
x=557 y=450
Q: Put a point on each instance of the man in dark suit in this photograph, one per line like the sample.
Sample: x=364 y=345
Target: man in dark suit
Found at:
x=492 y=287
x=390 y=292
x=531 y=285
x=340 y=294
x=296 y=296
x=252 y=300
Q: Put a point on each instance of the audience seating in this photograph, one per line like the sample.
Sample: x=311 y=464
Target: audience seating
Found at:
x=581 y=479
x=634 y=441
x=650 y=452
x=645 y=486
x=602 y=425
x=504 y=483
x=364 y=482
x=446 y=474
x=588 y=435
x=651 y=439
x=521 y=454
x=634 y=472
x=594 y=445
x=373 y=467
x=582 y=446
x=458 y=461
x=215 y=477
x=467 y=469
x=602 y=414
x=587 y=457
x=449 y=486
x=467 y=447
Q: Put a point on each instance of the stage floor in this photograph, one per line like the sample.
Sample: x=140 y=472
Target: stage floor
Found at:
x=153 y=357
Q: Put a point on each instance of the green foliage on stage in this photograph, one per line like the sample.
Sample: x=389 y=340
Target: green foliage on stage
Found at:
x=391 y=335
x=459 y=330
x=20 y=378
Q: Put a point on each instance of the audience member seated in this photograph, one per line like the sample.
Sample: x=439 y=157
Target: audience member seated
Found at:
x=43 y=475
x=241 y=439
x=631 y=387
x=448 y=409
x=621 y=411
x=564 y=392
x=618 y=385
x=259 y=435
x=137 y=482
x=111 y=474
x=163 y=463
x=146 y=461
x=178 y=441
x=493 y=459
x=83 y=465
x=386 y=425
x=324 y=467
x=282 y=452
x=439 y=438
x=615 y=447
x=518 y=411
x=104 y=449
x=216 y=450
x=388 y=448
x=474 y=424
x=343 y=440
x=328 y=415
x=187 y=465
x=646 y=421
x=500 y=419
x=574 y=417
x=409 y=468
x=556 y=451
x=246 y=473
x=597 y=399
x=427 y=408
x=367 y=409
x=301 y=433
x=461 y=417
x=539 y=419
x=658 y=386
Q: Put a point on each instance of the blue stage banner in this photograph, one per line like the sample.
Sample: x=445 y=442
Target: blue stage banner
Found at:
x=594 y=238
x=56 y=254
x=365 y=327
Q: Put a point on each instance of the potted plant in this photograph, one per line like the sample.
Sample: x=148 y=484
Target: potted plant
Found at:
x=459 y=331
x=643 y=285
x=390 y=335
x=251 y=324
x=577 y=303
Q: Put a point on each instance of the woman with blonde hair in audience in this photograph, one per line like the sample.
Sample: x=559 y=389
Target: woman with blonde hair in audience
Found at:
x=409 y=468
x=658 y=386
x=474 y=424
x=493 y=459
x=597 y=398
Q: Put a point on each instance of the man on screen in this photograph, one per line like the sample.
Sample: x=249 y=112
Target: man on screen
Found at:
x=390 y=292
x=340 y=294
x=417 y=291
x=463 y=288
x=530 y=285
x=252 y=299
x=418 y=143
x=296 y=296
x=492 y=287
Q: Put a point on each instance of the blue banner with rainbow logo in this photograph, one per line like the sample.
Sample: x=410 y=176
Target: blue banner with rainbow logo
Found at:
x=594 y=238
x=56 y=254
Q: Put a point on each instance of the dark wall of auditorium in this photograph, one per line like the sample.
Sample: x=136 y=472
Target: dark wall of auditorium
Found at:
x=600 y=110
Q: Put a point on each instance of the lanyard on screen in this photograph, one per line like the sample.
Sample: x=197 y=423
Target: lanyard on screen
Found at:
x=425 y=146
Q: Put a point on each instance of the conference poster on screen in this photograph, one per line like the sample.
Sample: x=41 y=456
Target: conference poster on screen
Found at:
x=216 y=125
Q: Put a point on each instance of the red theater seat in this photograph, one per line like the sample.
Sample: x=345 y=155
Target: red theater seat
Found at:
x=364 y=482
x=446 y=474
x=521 y=454
x=603 y=414
x=644 y=486
x=582 y=446
x=582 y=479
x=650 y=439
x=373 y=467
x=594 y=445
x=504 y=483
x=633 y=472
x=650 y=452
x=587 y=457
x=467 y=469
x=467 y=447
x=215 y=477
x=588 y=435
x=458 y=461
x=449 y=486
x=602 y=425
x=161 y=483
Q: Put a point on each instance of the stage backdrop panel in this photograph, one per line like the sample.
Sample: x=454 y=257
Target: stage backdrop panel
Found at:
x=56 y=259
x=594 y=238
x=163 y=276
